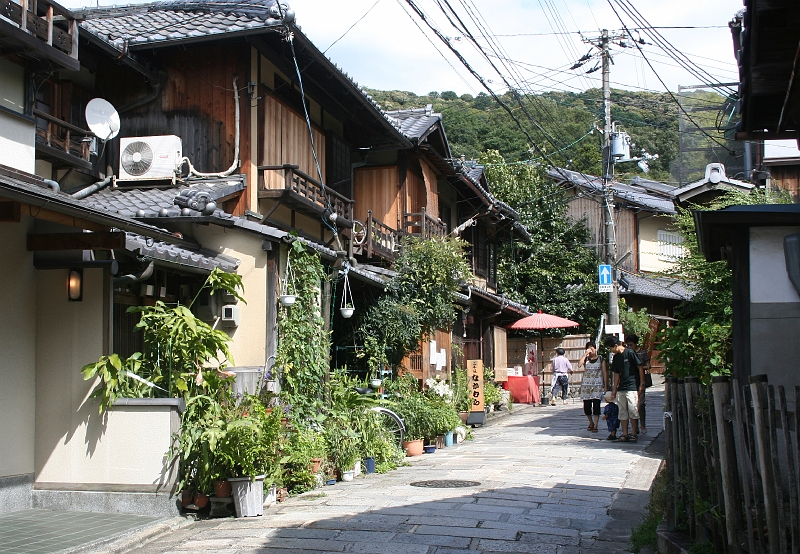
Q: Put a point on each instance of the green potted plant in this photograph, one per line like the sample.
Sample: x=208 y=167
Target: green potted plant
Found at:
x=342 y=443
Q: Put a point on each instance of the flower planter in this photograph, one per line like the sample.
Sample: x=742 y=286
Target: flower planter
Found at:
x=376 y=383
x=357 y=468
x=270 y=496
x=186 y=497
x=222 y=489
x=463 y=416
x=248 y=496
x=448 y=438
x=369 y=465
x=315 y=464
x=288 y=299
x=347 y=313
x=330 y=482
x=413 y=448
x=348 y=475
x=200 y=500
x=429 y=449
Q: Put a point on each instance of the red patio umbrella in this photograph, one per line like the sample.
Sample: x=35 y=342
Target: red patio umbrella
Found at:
x=539 y=321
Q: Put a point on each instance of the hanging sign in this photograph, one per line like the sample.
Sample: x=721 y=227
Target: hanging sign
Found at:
x=475 y=384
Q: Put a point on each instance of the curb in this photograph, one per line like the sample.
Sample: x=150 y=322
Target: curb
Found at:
x=122 y=542
x=672 y=542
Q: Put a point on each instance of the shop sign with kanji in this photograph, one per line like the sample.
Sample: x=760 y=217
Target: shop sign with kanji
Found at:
x=475 y=384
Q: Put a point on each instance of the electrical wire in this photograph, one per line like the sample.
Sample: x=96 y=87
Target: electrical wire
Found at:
x=351 y=26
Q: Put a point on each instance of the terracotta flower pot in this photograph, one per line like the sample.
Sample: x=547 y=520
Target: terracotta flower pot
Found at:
x=413 y=448
x=222 y=489
x=186 y=497
x=200 y=500
x=463 y=416
x=315 y=464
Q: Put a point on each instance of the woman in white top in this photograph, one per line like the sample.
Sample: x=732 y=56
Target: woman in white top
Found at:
x=593 y=384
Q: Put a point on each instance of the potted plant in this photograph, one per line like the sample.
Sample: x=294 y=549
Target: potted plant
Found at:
x=347 y=310
x=342 y=443
x=415 y=411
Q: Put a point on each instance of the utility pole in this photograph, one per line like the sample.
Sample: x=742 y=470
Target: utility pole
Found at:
x=608 y=179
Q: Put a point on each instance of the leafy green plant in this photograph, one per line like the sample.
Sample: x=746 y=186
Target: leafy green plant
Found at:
x=461 y=391
x=342 y=443
x=303 y=343
x=636 y=322
x=178 y=348
x=417 y=416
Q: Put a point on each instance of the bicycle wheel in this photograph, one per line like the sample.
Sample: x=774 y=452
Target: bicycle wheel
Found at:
x=392 y=422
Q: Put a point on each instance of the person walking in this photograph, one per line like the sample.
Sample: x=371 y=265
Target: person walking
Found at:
x=624 y=365
x=593 y=384
x=561 y=369
x=632 y=341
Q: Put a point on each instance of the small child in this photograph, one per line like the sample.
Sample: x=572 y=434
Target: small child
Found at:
x=611 y=416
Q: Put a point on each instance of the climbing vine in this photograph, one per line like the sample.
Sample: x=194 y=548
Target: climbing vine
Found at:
x=303 y=342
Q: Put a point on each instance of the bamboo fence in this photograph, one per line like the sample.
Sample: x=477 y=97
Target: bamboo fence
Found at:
x=733 y=464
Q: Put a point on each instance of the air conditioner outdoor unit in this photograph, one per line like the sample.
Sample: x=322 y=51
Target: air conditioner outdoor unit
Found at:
x=157 y=157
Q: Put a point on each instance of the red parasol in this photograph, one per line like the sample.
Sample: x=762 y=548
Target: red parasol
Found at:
x=542 y=321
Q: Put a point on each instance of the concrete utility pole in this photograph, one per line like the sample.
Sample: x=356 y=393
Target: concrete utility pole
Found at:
x=608 y=179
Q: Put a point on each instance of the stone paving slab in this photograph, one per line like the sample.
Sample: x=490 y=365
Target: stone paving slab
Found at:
x=548 y=486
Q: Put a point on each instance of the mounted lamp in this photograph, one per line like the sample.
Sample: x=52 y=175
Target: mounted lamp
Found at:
x=75 y=285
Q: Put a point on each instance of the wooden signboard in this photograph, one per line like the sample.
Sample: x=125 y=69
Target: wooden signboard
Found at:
x=475 y=380
x=650 y=338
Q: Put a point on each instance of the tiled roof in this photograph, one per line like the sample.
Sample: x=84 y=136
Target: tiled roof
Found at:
x=636 y=195
x=162 y=22
x=415 y=123
x=175 y=22
x=160 y=202
x=198 y=259
x=657 y=287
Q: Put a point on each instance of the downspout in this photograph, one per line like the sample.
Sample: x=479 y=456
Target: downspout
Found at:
x=134 y=277
x=55 y=187
x=91 y=189
x=154 y=95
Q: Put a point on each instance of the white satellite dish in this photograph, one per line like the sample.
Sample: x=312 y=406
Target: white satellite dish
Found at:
x=102 y=119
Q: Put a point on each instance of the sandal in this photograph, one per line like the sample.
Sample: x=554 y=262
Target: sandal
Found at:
x=594 y=429
x=633 y=438
x=591 y=426
x=611 y=437
x=624 y=438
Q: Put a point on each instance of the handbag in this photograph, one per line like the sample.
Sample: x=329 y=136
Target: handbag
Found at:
x=648 y=380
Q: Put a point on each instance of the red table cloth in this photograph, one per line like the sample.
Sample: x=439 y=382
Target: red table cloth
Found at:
x=525 y=389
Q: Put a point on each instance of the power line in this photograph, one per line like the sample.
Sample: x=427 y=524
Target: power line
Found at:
x=632 y=29
x=351 y=26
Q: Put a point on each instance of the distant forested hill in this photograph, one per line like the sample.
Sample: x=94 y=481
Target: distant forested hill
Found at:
x=563 y=123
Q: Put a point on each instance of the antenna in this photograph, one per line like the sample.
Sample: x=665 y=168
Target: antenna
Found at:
x=102 y=119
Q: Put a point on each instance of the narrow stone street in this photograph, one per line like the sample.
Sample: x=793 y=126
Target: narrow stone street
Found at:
x=546 y=485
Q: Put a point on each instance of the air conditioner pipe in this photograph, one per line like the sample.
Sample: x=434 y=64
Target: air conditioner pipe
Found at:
x=91 y=189
x=55 y=187
x=135 y=278
x=235 y=164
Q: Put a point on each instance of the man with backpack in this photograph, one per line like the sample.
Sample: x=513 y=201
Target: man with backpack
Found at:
x=626 y=388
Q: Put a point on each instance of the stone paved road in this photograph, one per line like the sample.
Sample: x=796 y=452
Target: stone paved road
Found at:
x=547 y=486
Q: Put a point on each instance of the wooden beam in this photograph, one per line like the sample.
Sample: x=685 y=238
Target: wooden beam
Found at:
x=113 y=240
x=62 y=219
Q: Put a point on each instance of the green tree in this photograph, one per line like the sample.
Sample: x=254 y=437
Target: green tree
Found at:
x=555 y=271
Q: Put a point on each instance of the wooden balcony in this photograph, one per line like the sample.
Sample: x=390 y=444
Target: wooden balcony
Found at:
x=379 y=240
x=298 y=191
x=61 y=143
x=48 y=32
x=422 y=225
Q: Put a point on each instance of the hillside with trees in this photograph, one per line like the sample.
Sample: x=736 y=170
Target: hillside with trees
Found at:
x=565 y=126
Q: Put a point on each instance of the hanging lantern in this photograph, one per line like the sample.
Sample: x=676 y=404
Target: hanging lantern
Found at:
x=347 y=308
x=288 y=289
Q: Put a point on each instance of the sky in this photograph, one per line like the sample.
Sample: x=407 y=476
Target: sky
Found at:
x=381 y=46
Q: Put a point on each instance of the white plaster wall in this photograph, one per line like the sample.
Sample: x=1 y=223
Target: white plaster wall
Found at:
x=69 y=336
x=648 y=243
x=769 y=281
x=249 y=342
x=17 y=143
x=17 y=351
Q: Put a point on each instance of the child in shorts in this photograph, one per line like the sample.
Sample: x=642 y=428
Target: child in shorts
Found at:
x=611 y=416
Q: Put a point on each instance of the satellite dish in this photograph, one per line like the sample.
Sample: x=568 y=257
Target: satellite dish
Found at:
x=102 y=118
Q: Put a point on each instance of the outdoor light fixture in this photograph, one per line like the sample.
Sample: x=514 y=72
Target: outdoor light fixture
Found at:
x=75 y=285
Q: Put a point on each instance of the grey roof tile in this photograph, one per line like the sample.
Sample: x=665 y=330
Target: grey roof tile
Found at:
x=414 y=123
x=198 y=259
x=634 y=194
x=150 y=202
x=658 y=287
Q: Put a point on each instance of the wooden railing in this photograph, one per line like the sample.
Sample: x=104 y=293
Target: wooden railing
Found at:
x=732 y=459
x=381 y=239
x=307 y=188
x=41 y=15
x=422 y=225
x=62 y=136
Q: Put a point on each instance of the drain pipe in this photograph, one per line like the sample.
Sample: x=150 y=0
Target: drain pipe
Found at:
x=55 y=187
x=91 y=189
x=134 y=277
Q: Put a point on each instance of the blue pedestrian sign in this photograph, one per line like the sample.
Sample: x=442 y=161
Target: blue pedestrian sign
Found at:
x=604 y=278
